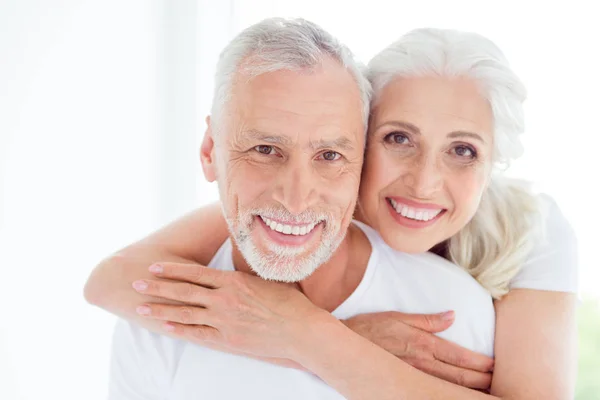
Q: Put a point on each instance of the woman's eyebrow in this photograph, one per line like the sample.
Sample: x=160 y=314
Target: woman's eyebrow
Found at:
x=459 y=134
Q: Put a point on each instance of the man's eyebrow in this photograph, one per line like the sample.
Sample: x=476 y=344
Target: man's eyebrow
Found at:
x=266 y=137
x=342 y=143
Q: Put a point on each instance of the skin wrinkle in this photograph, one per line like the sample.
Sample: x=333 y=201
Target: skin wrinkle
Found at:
x=293 y=177
x=431 y=112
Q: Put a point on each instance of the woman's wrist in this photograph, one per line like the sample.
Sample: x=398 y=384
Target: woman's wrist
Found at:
x=313 y=334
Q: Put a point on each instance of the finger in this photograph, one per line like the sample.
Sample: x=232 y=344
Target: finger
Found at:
x=185 y=315
x=460 y=376
x=193 y=273
x=179 y=291
x=432 y=323
x=453 y=354
x=194 y=333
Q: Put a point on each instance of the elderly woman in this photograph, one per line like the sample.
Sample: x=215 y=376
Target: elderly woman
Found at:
x=446 y=118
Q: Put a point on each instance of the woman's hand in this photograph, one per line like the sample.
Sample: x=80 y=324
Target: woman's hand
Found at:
x=411 y=338
x=230 y=309
x=237 y=312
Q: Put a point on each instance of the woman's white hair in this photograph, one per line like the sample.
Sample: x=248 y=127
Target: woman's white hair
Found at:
x=282 y=44
x=494 y=245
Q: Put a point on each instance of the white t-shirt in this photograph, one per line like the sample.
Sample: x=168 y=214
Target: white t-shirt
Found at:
x=553 y=262
x=149 y=366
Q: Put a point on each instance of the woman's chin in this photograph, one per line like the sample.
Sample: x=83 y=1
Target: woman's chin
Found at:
x=409 y=241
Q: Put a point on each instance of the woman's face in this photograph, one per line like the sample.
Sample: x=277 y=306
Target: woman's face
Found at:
x=428 y=160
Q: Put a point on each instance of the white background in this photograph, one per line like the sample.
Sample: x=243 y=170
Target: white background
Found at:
x=102 y=106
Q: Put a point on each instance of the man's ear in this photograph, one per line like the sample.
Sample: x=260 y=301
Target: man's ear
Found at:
x=207 y=154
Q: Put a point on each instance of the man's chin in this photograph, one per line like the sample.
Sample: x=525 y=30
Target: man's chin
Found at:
x=282 y=271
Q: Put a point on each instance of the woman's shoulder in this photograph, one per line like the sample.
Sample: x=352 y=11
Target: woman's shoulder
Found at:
x=556 y=230
x=552 y=264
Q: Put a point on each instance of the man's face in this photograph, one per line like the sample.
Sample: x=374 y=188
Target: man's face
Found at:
x=288 y=163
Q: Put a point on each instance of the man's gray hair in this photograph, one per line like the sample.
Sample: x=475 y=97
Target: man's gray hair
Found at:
x=282 y=44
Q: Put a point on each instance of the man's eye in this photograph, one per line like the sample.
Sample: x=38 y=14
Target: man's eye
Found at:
x=264 y=149
x=330 y=156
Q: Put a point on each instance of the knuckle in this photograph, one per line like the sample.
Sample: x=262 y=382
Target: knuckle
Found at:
x=153 y=287
x=185 y=291
x=462 y=377
x=157 y=311
x=459 y=359
x=198 y=333
x=404 y=348
x=185 y=315
x=196 y=274
x=427 y=321
x=423 y=341
x=486 y=382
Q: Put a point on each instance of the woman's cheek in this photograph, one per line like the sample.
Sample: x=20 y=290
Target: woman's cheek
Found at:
x=467 y=188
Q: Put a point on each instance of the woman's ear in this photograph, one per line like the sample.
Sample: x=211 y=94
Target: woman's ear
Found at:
x=207 y=153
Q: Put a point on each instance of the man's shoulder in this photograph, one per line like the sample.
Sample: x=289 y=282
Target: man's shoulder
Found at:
x=223 y=259
x=134 y=337
x=142 y=362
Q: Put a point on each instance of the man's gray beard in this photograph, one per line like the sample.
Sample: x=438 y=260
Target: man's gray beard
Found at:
x=284 y=263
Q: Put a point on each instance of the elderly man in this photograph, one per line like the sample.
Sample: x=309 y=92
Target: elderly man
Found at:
x=285 y=143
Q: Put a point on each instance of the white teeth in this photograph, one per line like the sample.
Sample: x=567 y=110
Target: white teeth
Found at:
x=297 y=230
x=414 y=213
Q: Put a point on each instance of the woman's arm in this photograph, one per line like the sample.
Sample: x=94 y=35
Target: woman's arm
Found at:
x=194 y=239
x=244 y=313
x=535 y=356
x=187 y=241
x=535 y=342
x=535 y=345
x=359 y=370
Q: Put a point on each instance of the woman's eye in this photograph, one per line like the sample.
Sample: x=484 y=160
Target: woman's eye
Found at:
x=331 y=156
x=264 y=149
x=465 y=151
x=396 y=138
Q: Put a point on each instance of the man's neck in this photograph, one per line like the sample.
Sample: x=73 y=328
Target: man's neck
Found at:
x=333 y=282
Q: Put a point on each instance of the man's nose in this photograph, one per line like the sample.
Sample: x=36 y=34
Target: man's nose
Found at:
x=424 y=177
x=297 y=186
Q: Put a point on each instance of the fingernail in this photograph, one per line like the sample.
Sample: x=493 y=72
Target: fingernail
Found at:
x=448 y=315
x=155 y=268
x=169 y=327
x=143 y=310
x=140 y=285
